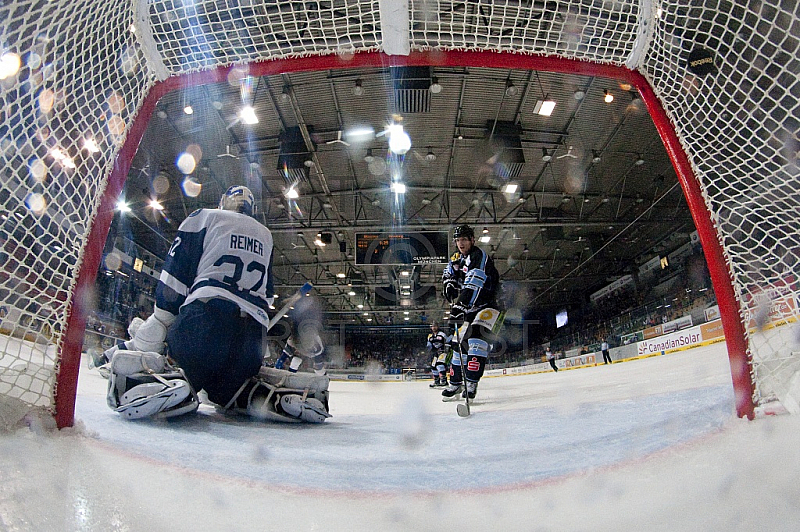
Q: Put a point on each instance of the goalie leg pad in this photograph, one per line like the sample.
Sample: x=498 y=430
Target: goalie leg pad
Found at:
x=146 y=400
x=279 y=395
x=309 y=410
x=142 y=384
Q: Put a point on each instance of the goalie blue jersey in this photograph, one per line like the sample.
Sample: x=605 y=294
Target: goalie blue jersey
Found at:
x=219 y=254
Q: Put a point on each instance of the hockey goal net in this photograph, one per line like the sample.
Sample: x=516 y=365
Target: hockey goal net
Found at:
x=79 y=81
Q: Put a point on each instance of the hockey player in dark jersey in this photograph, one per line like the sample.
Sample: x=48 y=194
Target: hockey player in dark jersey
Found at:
x=212 y=307
x=437 y=345
x=471 y=284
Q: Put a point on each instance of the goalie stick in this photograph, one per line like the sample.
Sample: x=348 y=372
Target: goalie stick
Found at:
x=304 y=290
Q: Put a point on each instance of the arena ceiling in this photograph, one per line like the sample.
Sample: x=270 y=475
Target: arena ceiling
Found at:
x=596 y=192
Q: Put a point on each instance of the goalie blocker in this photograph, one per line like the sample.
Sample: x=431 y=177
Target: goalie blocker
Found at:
x=144 y=384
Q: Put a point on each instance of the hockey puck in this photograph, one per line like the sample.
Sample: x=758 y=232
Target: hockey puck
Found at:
x=701 y=62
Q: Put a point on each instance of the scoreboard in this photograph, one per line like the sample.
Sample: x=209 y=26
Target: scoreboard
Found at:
x=397 y=248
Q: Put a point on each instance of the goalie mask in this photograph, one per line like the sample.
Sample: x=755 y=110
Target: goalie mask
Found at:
x=238 y=199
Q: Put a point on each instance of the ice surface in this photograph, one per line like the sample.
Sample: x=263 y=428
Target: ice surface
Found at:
x=645 y=445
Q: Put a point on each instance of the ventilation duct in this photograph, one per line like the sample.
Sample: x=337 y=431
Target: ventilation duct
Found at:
x=411 y=94
x=506 y=139
x=293 y=155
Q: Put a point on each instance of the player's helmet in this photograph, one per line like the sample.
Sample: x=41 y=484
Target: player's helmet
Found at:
x=238 y=199
x=463 y=230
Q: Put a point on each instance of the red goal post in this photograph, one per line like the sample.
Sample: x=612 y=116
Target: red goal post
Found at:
x=102 y=69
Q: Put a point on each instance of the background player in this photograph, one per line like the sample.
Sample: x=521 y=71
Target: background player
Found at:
x=299 y=334
x=212 y=303
x=437 y=344
x=471 y=284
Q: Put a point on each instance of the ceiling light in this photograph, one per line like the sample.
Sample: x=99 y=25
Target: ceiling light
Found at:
x=154 y=204
x=639 y=161
x=286 y=93
x=292 y=193
x=318 y=242
x=248 y=115
x=398 y=188
x=405 y=273
x=579 y=94
x=358 y=89
x=546 y=157
x=122 y=206
x=565 y=199
x=596 y=156
x=608 y=96
x=605 y=199
x=430 y=156
x=351 y=293
x=544 y=107
x=526 y=250
x=435 y=88
x=308 y=163
x=188 y=110
x=511 y=90
x=426 y=201
x=341 y=275
x=90 y=145
x=161 y=113
x=485 y=230
x=368 y=158
x=399 y=141
x=485 y=239
x=510 y=188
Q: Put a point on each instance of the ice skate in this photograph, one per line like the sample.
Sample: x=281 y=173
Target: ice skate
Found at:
x=452 y=392
x=471 y=390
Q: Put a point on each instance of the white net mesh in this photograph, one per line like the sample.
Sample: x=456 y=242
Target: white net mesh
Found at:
x=73 y=76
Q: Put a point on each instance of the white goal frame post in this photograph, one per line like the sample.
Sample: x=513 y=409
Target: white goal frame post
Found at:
x=70 y=67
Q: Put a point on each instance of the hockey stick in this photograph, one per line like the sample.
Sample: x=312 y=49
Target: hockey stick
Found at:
x=462 y=410
x=304 y=290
